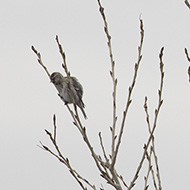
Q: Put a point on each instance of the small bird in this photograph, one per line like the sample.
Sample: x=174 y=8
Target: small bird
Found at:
x=69 y=95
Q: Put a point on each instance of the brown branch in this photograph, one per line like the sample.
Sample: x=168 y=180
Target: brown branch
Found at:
x=99 y=163
x=64 y=65
x=55 y=128
x=152 y=150
x=188 y=58
x=97 y=160
x=63 y=159
x=187 y=3
x=114 y=81
x=76 y=120
x=112 y=73
x=103 y=149
x=123 y=181
x=187 y=55
x=160 y=101
x=40 y=60
x=148 y=172
x=129 y=100
x=63 y=55
x=157 y=169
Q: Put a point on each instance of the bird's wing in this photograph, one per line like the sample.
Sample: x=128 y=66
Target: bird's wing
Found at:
x=77 y=86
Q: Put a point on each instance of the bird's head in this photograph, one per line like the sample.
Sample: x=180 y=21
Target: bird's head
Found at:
x=56 y=78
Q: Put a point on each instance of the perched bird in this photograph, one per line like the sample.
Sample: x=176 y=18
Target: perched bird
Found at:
x=72 y=94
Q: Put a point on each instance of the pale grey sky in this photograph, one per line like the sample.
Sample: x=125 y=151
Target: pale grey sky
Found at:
x=28 y=100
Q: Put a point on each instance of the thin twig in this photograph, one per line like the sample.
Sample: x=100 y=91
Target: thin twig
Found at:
x=114 y=81
x=55 y=128
x=99 y=163
x=188 y=58
x=64 y=65
x=65 y=161
x=150 y=169
x=152 y=150
x=121 y=178
x=63 y=55
x=40 y=60
x=187 y=55
x=187 y=3
x=129 y=100
x=148 y=172
x=103 y=149
x=112 y=73
x=157 y=169
x=76 y=122
x=160 y=101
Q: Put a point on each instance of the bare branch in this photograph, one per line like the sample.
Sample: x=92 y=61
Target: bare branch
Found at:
x=147 y=114
x=130 y=92
x=188 y=58
x=65 y=160
x=187 y=3
x=187 y=55
x=107 y=168
x=55 y=128
x=63 y=55
x=64 y=65
x=157 y=169
x=152 y=147
x=121 y=178
x=148 y=172
x=160 y=101
x=103 y=149
x=40 y=60
x=114 y=81
x=99 y=163
x=112 y=73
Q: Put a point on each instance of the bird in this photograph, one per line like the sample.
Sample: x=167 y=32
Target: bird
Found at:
x=72 y=94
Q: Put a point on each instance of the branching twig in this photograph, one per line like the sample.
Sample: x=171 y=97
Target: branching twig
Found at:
x=63 y=159
x=152 y=150
x=129 y=100
x=64 y=65
x=112 y=73
x=114 y=81
x=99 y=163
x=78 y=124
x=160 y=101
x=121 y=178
x=107 y=168
x=114 y=148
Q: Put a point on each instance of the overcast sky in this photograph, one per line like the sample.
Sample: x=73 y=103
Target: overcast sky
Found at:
x=29 y=100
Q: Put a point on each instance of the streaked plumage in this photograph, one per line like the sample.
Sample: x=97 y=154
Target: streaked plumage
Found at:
x=73 y=95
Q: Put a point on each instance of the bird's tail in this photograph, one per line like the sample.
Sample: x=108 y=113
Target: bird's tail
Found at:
x=83 y=112
x=81 y=106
